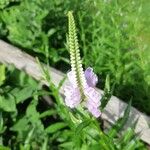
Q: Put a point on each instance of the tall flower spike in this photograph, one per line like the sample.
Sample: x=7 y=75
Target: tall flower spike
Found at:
x=76 y=65
x=81 y=85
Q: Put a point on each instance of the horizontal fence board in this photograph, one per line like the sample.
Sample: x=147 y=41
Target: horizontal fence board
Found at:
x=114 y=109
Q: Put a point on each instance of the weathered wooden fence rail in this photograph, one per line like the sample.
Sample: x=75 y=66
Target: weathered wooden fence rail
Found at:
x=114 y=109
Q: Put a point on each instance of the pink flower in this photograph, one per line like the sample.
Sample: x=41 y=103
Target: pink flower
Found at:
x=93 y=101
x=73 y=95
x=91 y=77
x=71 y=91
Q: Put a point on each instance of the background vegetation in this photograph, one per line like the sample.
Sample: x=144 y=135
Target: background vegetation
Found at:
x=114 y=39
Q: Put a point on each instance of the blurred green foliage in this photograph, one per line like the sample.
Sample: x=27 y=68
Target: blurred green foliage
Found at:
x=2 y=74
x=5 y=3
x=111 y=45
x=114 y=39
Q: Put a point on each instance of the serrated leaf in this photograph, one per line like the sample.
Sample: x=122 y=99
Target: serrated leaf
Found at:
x=21 y=94
x=7 y=104
x=20 y=125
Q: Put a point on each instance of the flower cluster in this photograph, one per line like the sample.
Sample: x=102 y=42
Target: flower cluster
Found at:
x=92 y=97
x=82 y=84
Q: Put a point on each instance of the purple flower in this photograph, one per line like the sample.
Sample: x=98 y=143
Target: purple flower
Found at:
x=73 y=95
x=72 y=78
x=91 y=77
x=93 y=101
x=71 y=91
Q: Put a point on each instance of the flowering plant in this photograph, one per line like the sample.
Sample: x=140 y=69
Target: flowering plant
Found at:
x=81 y=89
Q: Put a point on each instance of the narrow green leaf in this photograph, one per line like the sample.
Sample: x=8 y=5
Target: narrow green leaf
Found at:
x=66 y=145
x=44 y=146
x=2 y=126
x=55 y=127
x=48 y=113
x=82 y=126
x=61 y=82
x=128 y=135
x=120 y=122
x=130 y=145
x=107 y=93
x=28 y=139
x=2 y=74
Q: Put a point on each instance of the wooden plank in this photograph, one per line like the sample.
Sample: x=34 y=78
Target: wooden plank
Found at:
x=114 y=109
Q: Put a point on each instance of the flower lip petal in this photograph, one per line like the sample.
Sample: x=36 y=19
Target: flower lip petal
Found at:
x=91 y=77
x=72 y=96
x=93 y=101
x=72 y=78
x=93 y=94
x=93 y=109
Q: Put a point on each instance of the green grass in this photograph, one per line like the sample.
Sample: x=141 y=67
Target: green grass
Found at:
x=111 y=45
